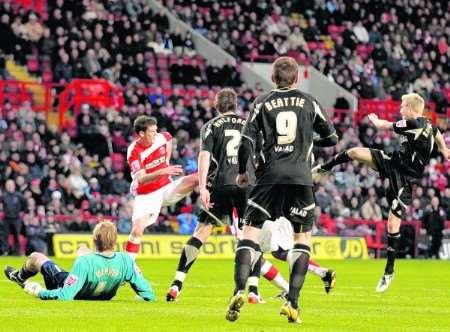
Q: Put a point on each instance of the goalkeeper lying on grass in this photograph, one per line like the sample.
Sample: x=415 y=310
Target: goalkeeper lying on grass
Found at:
x=94 y=276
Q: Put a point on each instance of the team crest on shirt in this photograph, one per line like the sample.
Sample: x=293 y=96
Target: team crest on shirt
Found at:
x=135 y=166
x=401 y=124
x=71 y=280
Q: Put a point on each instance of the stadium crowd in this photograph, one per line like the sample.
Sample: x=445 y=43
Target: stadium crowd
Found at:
x=46 y=173
x=374 y=49
x=121 y=41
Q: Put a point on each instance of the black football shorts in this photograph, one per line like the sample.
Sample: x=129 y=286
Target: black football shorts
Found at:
x=269 y=202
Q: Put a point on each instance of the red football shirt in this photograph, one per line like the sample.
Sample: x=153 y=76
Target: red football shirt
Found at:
x=148 y=159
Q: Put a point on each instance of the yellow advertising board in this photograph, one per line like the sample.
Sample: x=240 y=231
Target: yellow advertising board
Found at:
x=221 y=246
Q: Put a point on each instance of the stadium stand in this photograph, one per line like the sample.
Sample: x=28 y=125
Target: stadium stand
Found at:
x=67 y=182
x=374 y=50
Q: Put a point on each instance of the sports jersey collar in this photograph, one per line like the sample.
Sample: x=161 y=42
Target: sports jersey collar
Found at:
x=284 y=89
x=142 y=144
x=106 y=256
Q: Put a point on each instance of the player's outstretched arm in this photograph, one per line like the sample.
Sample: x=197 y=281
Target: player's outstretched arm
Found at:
x=380 y=123
x=244 y=151
x=328 y=141
x=442 y=147
x=141 y=286
x=324 y=127
x=203 y=167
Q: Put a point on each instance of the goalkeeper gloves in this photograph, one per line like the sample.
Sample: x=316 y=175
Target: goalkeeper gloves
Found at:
x=32 y=288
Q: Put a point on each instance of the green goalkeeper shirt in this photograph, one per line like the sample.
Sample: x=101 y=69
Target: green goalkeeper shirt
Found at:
x=97 y=277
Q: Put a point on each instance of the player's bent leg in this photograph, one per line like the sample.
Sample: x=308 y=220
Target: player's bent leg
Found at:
x=31 y=267
x=180 y=189
x=187 y=259
x=271 y=273
x=328 y=276
x=137 y=230
x=393 y=238
x=362 y=155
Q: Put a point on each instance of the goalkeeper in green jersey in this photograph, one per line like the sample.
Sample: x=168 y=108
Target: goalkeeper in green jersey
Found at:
x=94 y=276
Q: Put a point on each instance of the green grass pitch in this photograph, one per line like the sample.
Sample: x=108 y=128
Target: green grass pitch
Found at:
x=418 y=300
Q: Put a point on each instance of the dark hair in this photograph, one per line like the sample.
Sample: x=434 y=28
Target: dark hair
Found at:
x=225 y=100
x=142 y=122
x=284 y=71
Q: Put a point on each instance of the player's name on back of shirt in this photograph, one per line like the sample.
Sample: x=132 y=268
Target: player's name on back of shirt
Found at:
x=107 y=271
x=284 y=102
x=220 y=121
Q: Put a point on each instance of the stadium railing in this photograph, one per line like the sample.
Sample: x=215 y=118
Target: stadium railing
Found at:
x=377 y=243
x=37 y=6
x=100 y=93
x=389 y=110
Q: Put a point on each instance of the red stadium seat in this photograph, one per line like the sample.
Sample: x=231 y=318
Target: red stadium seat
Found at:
x=47 y=77
x=162 y=61
x=165 y=83
x=167 y=92
x=164 y=74
x=32 y=64
x=447 y=94
x=151 y=72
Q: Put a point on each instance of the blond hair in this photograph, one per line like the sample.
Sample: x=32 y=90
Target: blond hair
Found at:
x=415 y=101
x=284 y=71
x=105 y=236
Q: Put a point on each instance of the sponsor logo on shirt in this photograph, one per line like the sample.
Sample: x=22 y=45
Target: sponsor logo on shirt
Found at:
x=156 y=162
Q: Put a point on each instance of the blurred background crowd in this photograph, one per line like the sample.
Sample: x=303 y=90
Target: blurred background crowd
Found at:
x=55 y=180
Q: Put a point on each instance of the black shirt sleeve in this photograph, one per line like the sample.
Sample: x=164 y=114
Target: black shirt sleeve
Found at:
x=206 y=138
x=250 y=136
x=400 y=127
x=322 y=124
x=253 y=124
x=244 y=152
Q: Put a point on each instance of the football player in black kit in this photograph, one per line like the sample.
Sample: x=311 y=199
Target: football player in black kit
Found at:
x=417 y=140
x=287 y=119
x=218 y=166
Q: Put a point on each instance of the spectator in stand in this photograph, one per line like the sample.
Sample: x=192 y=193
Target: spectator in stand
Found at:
x=178 y=73
x=91 y=64
x=323 y=199
x=120 y=185
x=35 y=234
x=13 y=205
x=370 y=210
x=33 y=30
x=434 y=219
x=423 y=85
x=187 y=221
x=77 y=184
x=78 y=224
x=445 y=202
